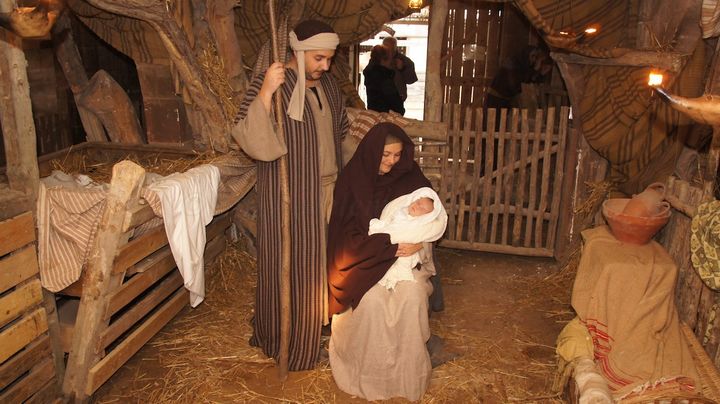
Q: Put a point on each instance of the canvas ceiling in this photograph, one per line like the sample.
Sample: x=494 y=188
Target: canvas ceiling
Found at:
x=640 y=136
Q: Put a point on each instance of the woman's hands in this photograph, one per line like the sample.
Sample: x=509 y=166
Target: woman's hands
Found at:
x=274 y=78
x=407 y=249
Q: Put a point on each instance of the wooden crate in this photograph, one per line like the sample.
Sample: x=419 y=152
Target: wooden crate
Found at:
x=129 y=288
x=27 y=368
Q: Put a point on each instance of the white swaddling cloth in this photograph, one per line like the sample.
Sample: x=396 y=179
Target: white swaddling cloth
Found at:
x=403 y=228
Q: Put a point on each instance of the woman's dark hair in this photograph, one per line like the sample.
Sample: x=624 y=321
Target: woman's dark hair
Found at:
x=379 y=53
x=390 y=139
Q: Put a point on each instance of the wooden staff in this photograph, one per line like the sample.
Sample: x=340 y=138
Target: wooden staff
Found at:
x=285 y=313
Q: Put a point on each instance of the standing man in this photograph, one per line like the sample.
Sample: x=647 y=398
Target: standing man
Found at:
x=315 y=124
x=403 y=66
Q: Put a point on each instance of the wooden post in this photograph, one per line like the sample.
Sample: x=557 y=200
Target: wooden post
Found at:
x=221 y=20
x=54 y=330
x=16 y=113
x=285 y=303
x=98 y=280
x=433 y=87
x=69 y=59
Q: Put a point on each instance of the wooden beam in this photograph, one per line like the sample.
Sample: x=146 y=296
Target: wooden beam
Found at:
x=497 y=248
x=109 y=102
x=98 y=282
x=220 y=16
x=58 y=354
x=68 y=57
x=21 y=333
x=427 y=130
x=670 y=61
x=16 y=232
x=17 y=268
x=16 y=116
x=569 y=192
x=13 y=203
x=19 y=301
x=433 y=87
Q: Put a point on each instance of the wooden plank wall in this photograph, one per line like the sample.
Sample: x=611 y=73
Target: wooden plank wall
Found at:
x=27 y=367
x=697 y=304
x=478 y=23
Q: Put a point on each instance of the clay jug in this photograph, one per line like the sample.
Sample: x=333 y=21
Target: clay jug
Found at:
x=637 y=207
x=648 y=202
x=653 y=196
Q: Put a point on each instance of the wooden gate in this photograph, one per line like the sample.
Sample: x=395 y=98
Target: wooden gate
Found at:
x=501 y=179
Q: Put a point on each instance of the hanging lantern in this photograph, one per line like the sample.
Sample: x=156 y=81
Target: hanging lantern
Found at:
x=704 y=109
x=415 y=4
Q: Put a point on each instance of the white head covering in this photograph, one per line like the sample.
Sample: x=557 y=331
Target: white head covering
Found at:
x=322 y=41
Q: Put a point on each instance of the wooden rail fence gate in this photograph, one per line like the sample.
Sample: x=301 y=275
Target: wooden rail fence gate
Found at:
x=500 y=177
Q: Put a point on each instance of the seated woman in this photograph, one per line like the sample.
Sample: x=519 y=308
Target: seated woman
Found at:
x=377 y=347
x=382 y=94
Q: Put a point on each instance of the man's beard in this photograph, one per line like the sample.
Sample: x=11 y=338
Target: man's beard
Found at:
x=309 y=76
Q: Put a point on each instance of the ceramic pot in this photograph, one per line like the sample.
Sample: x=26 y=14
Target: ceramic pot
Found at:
x=633 y=229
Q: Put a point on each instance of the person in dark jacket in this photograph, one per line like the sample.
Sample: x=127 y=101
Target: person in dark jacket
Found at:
x=531 y=65
x=404 y=67
x=382 y=94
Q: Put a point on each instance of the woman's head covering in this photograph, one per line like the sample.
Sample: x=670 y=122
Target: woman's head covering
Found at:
x=308 y=35
x=362 y=169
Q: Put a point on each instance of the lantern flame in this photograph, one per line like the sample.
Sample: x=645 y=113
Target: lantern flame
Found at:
x=655 y=79
x=417 y=4
x=591 y=30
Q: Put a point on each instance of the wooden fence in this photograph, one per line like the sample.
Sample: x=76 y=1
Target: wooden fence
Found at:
x=501 y=179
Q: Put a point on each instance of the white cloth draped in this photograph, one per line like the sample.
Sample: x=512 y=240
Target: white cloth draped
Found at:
x=188 y=202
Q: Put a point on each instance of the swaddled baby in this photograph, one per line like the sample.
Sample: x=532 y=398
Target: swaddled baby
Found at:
x=417 y=217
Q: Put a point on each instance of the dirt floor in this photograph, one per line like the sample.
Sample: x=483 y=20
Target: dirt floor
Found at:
x=502 y=315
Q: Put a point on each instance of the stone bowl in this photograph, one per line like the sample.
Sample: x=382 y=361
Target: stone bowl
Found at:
x=631 y=229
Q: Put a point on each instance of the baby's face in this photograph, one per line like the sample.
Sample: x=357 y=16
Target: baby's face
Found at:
x=420 y=207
